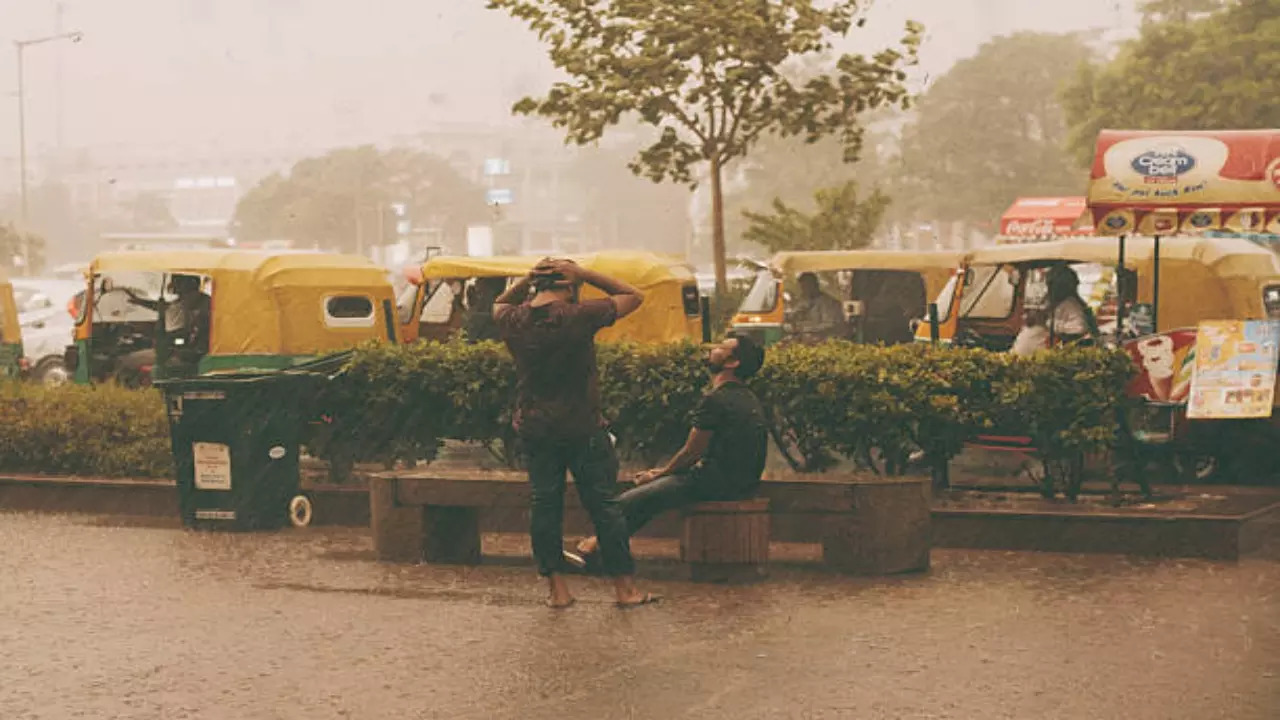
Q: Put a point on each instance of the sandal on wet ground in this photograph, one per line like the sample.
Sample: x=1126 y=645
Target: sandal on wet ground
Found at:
x=648 y=599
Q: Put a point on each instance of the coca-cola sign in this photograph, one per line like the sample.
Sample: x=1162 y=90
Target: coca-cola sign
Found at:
x=1030 y=228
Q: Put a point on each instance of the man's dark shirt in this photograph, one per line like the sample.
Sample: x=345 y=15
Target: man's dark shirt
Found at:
x=557 y=389
x=734 y=461
x=480 y=326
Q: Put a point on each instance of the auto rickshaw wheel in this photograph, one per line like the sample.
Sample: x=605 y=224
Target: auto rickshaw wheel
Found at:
x=301 y=511
x=52 y=372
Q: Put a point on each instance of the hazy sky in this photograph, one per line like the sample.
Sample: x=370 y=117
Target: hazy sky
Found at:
x=261 y=73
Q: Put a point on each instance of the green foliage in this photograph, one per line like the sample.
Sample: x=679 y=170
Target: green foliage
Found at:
x=842 y=221
x=1185 y=71
x=347 y=194
x=837 y=398
x=791 y=170
x=708 y=75
x=992 y=129
x=102 y=431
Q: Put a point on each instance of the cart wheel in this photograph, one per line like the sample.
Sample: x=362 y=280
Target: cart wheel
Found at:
x=300 y=511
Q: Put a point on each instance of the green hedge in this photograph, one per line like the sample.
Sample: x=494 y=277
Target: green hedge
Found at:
x=864 y=402
x=875 y=405
x=102 y=431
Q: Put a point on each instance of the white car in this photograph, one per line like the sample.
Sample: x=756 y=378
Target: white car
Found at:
x=47 y=325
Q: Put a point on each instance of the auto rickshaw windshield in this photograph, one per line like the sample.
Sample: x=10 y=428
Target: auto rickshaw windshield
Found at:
x=763 y=295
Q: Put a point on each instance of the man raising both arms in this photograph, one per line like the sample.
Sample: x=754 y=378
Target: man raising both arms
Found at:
x=557 y=416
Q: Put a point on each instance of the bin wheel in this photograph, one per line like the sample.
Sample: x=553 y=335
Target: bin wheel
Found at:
x=1202 y=467
x=300 y=511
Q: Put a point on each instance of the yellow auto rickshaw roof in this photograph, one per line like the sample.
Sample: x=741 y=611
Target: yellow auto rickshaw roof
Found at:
x=790 y=263
x=1227 y=257
x=642 y=269
x=267 y=266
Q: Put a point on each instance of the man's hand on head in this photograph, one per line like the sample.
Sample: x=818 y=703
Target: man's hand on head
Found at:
x=569 y=269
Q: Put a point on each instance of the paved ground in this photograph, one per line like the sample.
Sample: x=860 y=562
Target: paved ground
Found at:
x=103 y=619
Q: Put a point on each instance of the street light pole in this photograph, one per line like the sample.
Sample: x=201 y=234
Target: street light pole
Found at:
x=22 y=135
x=74 y=36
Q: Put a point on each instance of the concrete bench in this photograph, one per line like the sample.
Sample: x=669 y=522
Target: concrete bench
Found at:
x=866 y=524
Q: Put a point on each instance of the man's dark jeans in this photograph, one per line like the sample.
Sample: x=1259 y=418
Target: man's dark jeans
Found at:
x=644 y=502
x=594 y=465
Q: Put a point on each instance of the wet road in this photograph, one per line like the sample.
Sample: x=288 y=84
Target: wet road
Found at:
x=103 y=620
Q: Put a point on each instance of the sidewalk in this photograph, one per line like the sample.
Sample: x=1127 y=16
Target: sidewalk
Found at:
x=102 y=620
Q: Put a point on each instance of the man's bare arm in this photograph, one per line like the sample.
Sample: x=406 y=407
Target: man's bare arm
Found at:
x=626 y=298
x=694 y=446
x=513 y=296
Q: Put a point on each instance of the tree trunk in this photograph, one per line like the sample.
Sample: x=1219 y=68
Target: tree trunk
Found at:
x=717 y=228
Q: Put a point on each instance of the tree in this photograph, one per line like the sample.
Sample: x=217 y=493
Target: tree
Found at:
x=343 y=199
x=621 y=210
x=991 y=129
x=1212 y=72
x=841 y=222
x=709 y=75
x=791 y=170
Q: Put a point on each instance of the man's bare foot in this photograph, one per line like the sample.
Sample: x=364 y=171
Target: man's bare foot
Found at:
x=588 y=546
x=560 y=596
x=628 y=595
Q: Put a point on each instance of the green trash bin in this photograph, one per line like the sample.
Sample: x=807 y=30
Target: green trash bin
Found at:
x=235 y=442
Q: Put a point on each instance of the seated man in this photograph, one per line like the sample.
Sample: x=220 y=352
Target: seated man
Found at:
x=186 y=324
x=1070 y=319
x=816 y=316
x=1034 y=334
x=723 y=457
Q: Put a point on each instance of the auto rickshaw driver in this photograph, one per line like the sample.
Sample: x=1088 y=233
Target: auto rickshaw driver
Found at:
x=817 y=316
x=186 y=324
x=1070 y=318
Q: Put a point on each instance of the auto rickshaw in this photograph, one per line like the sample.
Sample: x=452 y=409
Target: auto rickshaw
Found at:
x=10 y=331
x=446 y=291
x=881 y=291
x=265 y=310
x=983 y=304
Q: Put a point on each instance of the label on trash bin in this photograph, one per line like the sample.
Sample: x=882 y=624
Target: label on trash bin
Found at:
x=205 y=395
x=277 y=452
x=213 y=466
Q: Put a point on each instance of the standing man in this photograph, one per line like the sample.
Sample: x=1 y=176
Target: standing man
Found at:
x=723 y=457
x=552 y=338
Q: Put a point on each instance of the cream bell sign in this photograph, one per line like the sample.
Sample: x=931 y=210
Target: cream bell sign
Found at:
x=1160 y=183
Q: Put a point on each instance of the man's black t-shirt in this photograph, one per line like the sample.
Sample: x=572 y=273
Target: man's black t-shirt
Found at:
x=734 y=461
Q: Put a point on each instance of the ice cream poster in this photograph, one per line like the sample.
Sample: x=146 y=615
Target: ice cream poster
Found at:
x=1235 y=369
x=1164 y=364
